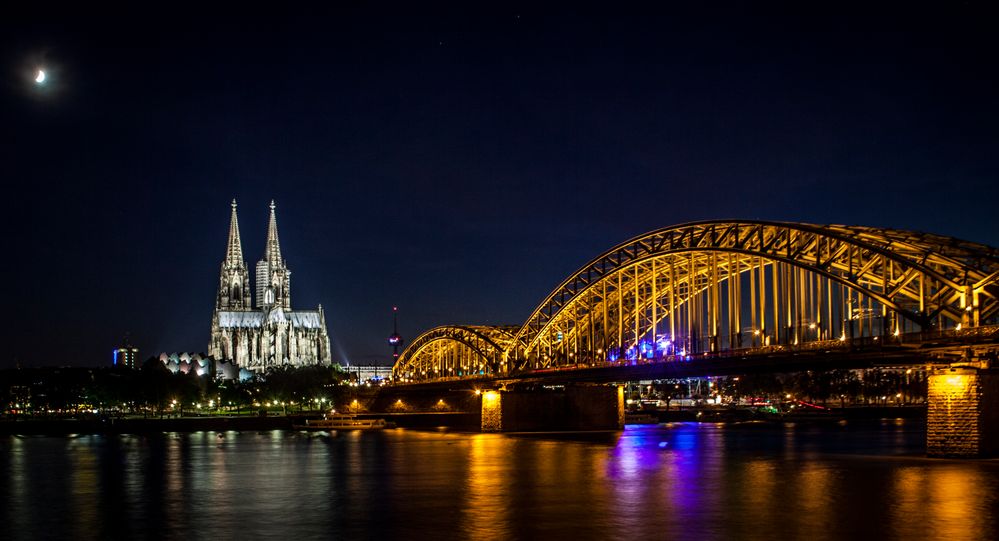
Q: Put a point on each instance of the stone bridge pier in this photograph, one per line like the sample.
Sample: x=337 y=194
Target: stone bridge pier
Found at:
x=962 y=418
x=574 y=407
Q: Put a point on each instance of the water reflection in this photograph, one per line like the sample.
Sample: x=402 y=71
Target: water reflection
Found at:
x=951 y=500
x=15 y=484
x=83 y=486
x=485 y=505
x=682 y=481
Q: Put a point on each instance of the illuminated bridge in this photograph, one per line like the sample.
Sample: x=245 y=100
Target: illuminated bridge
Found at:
x=717 y=297
x=734 y=289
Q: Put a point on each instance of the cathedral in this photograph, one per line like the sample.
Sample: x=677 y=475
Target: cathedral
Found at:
x=268 y=332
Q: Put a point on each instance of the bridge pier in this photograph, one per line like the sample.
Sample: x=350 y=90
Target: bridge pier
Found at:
x=963 y=414
x=576 y=407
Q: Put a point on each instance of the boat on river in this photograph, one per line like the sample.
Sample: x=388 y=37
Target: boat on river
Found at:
x=342 y=422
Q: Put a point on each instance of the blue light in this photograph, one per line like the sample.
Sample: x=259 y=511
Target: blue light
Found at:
x=114 y=357
x=648 y=350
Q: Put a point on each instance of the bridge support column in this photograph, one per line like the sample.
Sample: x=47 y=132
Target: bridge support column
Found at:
x=492 y=411
x=576 y=407
x=963 y=413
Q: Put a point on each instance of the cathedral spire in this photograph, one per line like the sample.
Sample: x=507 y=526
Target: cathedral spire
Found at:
x=273 y=253
x=273 y=278
x=234 y=282
x=234 y=251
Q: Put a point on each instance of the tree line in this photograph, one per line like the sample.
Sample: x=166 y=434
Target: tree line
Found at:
x=155 y=390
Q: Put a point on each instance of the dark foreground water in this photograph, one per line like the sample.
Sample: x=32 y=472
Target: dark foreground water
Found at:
x=682 y=481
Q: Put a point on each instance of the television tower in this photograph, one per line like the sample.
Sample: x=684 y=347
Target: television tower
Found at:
x=395 y=339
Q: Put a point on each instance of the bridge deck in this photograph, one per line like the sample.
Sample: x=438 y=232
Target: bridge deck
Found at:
x=907 y=350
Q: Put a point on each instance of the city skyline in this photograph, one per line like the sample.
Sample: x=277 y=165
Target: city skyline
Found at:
x=458 y=166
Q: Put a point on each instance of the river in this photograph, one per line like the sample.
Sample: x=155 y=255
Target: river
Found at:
x=695 y=481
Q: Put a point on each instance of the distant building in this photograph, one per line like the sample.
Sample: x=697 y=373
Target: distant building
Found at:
x=203 y=365
x=269 y=333
x=127 y=356
x=371 y=372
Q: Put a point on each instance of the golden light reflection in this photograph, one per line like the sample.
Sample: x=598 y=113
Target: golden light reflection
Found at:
x=761 y=482
x=949 y=500
x=909 y=500
x=486 y=506
x=815 y=487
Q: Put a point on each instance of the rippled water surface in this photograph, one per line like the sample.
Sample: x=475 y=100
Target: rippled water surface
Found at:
x=680 y=481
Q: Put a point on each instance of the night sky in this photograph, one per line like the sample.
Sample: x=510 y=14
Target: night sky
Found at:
x=456 y=164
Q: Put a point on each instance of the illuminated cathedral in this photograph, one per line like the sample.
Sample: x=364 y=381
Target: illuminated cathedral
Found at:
x=257 y=335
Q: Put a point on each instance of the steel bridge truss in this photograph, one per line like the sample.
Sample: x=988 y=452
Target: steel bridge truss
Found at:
x=455 y=351
x=716 y=286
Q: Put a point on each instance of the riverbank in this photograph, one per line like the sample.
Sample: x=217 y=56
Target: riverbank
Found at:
x=136 y=425
x=130 y=425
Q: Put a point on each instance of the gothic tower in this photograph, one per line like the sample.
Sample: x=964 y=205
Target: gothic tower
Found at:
x=273 y=276
x=234 y=281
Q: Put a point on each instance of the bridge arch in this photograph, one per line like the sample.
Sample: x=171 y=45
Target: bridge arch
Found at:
x=455 y=351
x=703 y=286
x=723 y=285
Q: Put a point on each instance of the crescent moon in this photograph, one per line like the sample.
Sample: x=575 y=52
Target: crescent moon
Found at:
x=40 y=78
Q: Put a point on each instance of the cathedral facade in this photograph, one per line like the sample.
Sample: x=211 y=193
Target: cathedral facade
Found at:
x=261 y=330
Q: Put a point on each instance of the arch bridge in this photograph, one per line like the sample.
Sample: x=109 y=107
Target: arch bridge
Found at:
x=716 y=288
